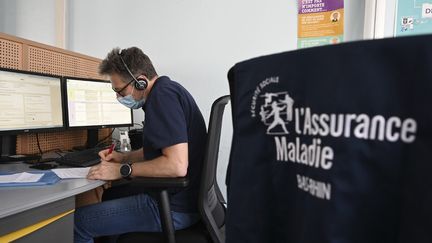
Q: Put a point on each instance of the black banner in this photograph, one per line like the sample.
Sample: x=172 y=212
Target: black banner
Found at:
x=333 y=144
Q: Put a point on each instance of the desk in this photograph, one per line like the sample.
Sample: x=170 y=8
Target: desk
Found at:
x=40 y=213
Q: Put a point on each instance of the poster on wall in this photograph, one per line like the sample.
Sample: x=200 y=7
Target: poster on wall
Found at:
x=320 y=22
x=413 y=17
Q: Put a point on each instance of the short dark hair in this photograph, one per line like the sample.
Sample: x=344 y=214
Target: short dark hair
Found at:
x=137 y=62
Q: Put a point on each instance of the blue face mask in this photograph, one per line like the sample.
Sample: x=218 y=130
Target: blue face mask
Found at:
x=130 y=102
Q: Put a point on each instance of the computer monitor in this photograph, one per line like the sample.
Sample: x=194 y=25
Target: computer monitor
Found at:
x=91 y=103
x=29 y=102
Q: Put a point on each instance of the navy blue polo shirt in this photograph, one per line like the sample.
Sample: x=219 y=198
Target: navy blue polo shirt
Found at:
x=173 y=117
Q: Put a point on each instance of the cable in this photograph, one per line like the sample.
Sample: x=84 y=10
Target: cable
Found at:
x=59 y=154
x=40 y=160
x=103 y=139
x=141 y=125
x=38 y=144
x=46 y=151
x=133 y=124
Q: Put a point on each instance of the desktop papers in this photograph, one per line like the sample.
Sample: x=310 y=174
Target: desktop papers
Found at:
x=69 y=173
x=20 y=178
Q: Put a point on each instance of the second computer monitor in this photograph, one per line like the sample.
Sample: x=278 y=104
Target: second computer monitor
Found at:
x=93 y=104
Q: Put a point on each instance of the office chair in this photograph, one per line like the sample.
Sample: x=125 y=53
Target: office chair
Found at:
x=211 y=227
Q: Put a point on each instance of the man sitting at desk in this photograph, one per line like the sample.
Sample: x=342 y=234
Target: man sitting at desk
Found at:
x=173 y=146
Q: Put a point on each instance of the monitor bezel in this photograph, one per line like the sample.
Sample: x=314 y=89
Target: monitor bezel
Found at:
x=64 y=81
x=44 y=129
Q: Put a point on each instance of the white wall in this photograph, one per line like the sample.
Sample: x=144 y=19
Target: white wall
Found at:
x=194 y=41
x=389 y=18
x=33 y=20
x=354 y=19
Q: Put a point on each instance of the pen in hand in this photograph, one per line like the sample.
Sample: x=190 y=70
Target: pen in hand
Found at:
x=111 y=148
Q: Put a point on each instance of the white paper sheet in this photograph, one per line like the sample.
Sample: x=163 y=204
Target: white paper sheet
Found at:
x=69 y=173
x=20 y=177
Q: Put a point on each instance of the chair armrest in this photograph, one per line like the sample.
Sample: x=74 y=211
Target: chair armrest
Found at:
x=160 y=182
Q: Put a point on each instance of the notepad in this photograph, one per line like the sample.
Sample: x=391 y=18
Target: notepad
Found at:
x=71 y=173
x=23 y=177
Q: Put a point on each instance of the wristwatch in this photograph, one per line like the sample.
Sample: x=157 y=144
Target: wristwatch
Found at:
x=126 y=170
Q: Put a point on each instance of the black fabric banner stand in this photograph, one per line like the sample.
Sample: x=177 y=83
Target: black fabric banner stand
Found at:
x=333 y=145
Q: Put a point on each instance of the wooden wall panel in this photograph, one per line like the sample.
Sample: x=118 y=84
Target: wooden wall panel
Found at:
x=54 y=141
x=85 y=68
x=22 y=54
x=48 y=61
x=10 y=54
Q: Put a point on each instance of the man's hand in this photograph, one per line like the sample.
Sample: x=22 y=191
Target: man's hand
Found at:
x=114 y=157
x=105 y=171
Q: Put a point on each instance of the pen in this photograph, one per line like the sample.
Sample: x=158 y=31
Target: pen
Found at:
x=111 y=148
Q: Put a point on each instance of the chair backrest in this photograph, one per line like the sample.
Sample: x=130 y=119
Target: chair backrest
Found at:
x=210 y=206
x=332 y=144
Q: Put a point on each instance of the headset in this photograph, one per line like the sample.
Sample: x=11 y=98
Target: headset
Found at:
x=141 y=81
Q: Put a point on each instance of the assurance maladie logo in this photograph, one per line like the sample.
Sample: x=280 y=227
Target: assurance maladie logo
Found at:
x=289 y=124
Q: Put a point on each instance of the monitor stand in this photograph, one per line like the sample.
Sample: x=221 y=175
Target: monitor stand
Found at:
x=8 y=147
x=7 y=144
x=92 y=137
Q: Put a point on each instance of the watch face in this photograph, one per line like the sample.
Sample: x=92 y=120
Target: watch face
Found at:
x=125 y=170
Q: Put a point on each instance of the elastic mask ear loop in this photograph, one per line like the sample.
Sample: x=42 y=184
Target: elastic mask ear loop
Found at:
x=133 y=89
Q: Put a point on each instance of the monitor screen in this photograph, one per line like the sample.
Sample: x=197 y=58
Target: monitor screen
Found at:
x=92 y=103
x=29 y=102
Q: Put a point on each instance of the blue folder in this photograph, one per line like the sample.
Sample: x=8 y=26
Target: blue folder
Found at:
x=48 y=178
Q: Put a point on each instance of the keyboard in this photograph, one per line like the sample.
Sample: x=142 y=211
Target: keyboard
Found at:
x=82 y=158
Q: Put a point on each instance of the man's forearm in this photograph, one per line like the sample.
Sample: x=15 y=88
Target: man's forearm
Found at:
x=133 y=156
x=160 y=167
x=172 y=163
